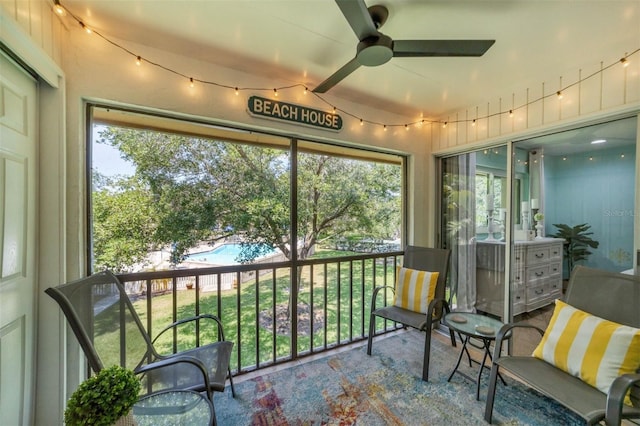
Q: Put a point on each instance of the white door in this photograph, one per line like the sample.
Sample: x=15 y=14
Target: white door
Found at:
x=17 y=242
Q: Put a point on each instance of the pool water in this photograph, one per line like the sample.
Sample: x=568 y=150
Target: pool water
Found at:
x=226 y=254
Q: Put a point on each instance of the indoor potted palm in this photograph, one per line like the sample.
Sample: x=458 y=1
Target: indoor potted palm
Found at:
x=577 y=242
x=104 y=399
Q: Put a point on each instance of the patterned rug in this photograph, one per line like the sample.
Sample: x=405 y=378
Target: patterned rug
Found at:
x=352 y=388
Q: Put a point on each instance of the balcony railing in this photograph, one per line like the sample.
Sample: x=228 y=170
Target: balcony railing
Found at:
x=260 y=304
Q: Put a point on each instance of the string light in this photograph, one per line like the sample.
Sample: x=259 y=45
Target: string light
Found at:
x=334 y=110
x=444 y=125
x=58 y=8
x=237 y=92
x=406 y=127
x=361 y=122
x=190 y=81
x=84 y=27
x=61 y=10
x=385 y=127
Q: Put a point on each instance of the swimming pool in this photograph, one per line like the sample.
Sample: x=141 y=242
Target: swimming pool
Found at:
x=226 y=254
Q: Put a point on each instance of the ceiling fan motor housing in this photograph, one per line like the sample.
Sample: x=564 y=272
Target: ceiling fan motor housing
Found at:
x=375 y=50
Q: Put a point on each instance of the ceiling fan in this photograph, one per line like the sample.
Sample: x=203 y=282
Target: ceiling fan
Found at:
x=376 y=48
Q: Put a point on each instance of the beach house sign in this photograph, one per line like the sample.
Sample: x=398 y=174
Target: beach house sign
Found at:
x=298 y=114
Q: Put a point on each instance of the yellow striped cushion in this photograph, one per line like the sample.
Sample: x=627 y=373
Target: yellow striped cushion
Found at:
x=588 y=347
x=415 y=289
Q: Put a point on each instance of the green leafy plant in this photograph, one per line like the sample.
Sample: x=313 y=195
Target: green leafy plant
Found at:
x=577 y=242
x=102 y=399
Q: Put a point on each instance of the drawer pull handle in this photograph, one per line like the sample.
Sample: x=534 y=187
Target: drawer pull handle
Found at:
x=539 y=255
x=539 y=291
x=539 y=274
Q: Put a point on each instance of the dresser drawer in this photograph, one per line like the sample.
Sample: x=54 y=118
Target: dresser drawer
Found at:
x=536 y=274
x=538 y=254
x=536 y=294
x=555 y=269
x=519 y=301
x=555 y=252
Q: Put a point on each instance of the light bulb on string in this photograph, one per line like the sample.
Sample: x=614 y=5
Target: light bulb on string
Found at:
x=191 y=82
x=511 y=113
x=305 y=90
x=138 y=61
x=58 y=8
x=361 y=122
x=384 y=127
x=559 y=94
x=444 y=125
x=237 y=92
x=85 y=28
x=334 y=110
x=406 y=127
x=624 y=61
x=473 y=123
x=275 y=92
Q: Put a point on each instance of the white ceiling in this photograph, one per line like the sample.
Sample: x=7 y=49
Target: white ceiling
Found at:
x=305 y=41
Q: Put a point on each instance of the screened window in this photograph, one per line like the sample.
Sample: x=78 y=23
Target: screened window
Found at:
x=173 y=194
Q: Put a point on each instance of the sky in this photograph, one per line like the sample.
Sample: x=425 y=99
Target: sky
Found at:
x=106 y=159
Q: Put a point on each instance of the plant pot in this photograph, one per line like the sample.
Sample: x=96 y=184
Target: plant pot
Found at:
x=127 y=420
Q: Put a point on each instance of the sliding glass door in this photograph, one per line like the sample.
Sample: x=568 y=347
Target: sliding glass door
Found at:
x=519 y=218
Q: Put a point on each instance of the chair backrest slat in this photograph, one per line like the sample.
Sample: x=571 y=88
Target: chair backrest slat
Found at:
x=609 y=295
x=429 y=259
x=104 y=321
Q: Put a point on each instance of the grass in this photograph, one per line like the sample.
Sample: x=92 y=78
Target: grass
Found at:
x=344 y=301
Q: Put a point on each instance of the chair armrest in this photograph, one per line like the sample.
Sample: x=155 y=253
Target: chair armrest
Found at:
x=375 y=295
x=191 y=319
x=505 y=333
x=432 y=307
x=165 y=362
x=616 y=395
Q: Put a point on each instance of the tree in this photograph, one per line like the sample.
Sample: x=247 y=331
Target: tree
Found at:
x=203 y=189
x=123 y=223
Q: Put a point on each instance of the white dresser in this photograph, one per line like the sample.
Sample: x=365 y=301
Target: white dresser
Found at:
x=536 y=275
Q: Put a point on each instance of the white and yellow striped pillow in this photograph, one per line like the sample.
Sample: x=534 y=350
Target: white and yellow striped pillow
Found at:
x=588 y=347
x=415 y=289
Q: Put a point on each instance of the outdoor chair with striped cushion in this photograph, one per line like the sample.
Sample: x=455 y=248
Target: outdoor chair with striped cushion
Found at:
x=419 y=296
x=589 y=357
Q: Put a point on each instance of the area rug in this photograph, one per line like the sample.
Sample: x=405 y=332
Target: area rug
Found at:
x=352 y=388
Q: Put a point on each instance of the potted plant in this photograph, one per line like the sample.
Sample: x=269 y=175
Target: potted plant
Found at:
x=104 y=398
x=577 y=242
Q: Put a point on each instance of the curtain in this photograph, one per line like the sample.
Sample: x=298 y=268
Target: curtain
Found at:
x=459 y=206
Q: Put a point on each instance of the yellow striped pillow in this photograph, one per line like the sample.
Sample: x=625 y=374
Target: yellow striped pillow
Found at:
x=415 y=289
x=588 y=347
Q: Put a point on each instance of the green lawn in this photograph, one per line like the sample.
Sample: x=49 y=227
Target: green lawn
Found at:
x=240 y=309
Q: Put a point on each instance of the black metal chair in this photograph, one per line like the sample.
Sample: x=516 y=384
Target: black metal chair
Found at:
x=425 y=259
x=109 y=330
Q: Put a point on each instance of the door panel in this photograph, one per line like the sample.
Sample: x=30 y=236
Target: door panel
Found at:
x=17 y=242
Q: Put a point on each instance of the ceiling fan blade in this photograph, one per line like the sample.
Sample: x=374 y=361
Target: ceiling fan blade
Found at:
x=422 y=48
x=337 y=76
x=358 y=17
